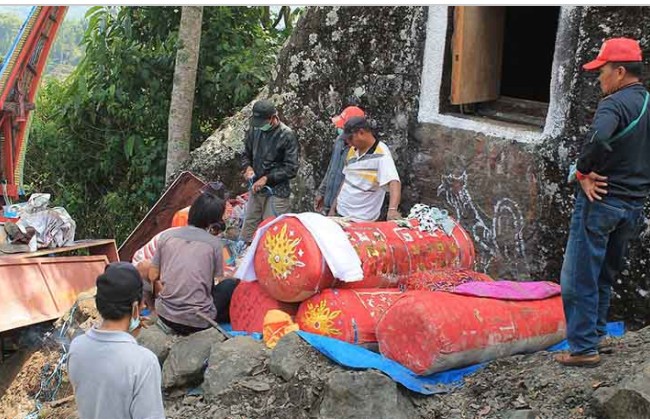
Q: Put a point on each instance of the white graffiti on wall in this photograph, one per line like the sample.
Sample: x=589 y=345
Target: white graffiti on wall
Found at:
x=498 y=238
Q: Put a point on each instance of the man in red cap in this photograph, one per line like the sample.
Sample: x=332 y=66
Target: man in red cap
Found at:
x=331 y=183
x=614 y=175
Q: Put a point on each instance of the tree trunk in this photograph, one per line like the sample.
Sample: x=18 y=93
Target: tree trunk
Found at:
x=180 y=110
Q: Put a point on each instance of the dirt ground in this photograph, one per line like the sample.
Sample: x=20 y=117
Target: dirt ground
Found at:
x=519 y=382
x=22 y=372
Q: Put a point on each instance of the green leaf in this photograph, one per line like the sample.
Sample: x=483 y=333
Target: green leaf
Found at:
x=128 y=146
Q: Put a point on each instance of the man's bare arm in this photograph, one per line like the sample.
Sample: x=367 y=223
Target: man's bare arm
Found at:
x=395 y=197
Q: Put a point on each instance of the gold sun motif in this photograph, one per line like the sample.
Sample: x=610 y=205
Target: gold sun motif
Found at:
x=321 y=319
x=282 y=253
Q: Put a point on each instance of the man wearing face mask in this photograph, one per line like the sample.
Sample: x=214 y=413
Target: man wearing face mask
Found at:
x=614 y=175
x=270 y=161
x=184 y=268
x=331 y=183
x=111 y=374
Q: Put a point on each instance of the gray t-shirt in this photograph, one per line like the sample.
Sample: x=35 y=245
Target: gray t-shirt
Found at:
x=189 y=258
x=113 y=377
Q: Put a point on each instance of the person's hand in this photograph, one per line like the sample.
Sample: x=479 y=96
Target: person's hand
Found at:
x=332 y=211
x=261 y=183
x=318 y=203
x=393 y=214
x=594 y=186
x=157 y=288
x=249 y=173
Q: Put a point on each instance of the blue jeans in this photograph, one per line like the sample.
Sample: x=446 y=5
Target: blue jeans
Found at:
x=599 y=235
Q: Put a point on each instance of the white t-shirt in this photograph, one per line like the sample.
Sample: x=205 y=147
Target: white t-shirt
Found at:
x=366 y=182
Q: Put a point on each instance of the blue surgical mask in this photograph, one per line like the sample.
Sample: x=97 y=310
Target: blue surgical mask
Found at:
x=339 y=131
x=134 y=324
x=266 y=127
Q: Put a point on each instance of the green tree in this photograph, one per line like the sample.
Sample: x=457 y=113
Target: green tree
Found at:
x=9 y=28
x=67 y=49
x=98 y=139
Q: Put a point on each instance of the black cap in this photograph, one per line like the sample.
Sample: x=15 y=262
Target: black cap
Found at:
x=353 y=125
x=120 y=284
x=262 y=111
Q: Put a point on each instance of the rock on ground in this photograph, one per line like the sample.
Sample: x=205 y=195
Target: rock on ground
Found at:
x=157 y=341
x=286 y=358
x=232 y=361
x=363 y=394
x=186 y=360
x=629 y=400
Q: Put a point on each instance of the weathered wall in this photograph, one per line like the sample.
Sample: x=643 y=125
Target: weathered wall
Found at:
x=510 y=195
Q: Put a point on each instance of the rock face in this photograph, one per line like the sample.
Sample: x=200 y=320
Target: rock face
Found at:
x=233 y=361
x=630 y=399
x=362 y=394
x=187 y=358
x=334 y=53
x=510 y=194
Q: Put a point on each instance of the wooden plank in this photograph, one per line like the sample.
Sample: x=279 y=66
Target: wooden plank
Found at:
x=105 y=247
x=181 y=193
x=477 y=53
x=35 y=290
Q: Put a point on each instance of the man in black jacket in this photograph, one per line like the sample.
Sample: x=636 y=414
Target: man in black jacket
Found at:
x=270 y=161
x=614 y=174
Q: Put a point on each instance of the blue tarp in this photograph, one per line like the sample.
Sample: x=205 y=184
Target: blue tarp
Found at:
x=353 y=356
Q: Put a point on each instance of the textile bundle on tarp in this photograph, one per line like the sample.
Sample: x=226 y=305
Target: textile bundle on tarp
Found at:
x=441 y=280
x=349 y=315
x=249 y=305
x=435 y=331
x=291 y=267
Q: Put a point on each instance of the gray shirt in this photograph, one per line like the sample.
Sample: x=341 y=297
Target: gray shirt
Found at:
x=114 y=378
x=189 y=258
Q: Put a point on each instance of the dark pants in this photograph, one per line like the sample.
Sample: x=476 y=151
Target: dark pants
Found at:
x=221 y=295
x=599 y=235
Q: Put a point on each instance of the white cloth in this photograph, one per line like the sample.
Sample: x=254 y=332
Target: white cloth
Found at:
x=333 y=243
x=365 y=183
x=54 y=227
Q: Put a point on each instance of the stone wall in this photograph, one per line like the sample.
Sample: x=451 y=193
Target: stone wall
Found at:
x=511 y=195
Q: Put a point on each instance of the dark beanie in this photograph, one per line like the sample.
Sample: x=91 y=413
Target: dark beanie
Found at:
x=119 y=284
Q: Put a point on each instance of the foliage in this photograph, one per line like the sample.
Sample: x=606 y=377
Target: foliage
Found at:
x=98 y=139
x=9 y=27
x=66 y=51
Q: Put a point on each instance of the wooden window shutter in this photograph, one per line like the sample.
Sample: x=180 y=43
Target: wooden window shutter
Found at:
x=477 y=52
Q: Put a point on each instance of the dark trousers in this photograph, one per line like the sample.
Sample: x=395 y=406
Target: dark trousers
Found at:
x=221 y=295
x=599 y=235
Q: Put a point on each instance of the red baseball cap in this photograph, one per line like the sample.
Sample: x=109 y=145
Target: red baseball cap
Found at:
x=616 y=50
x=349 y=112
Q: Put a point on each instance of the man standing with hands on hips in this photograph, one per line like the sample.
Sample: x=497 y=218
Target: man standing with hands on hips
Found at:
x=614 y=175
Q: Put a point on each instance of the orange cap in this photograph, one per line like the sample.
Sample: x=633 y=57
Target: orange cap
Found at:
x=616 y=50
x=340 y=120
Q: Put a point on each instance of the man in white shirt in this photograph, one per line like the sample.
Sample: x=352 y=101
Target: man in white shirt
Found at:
x=369 y=172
